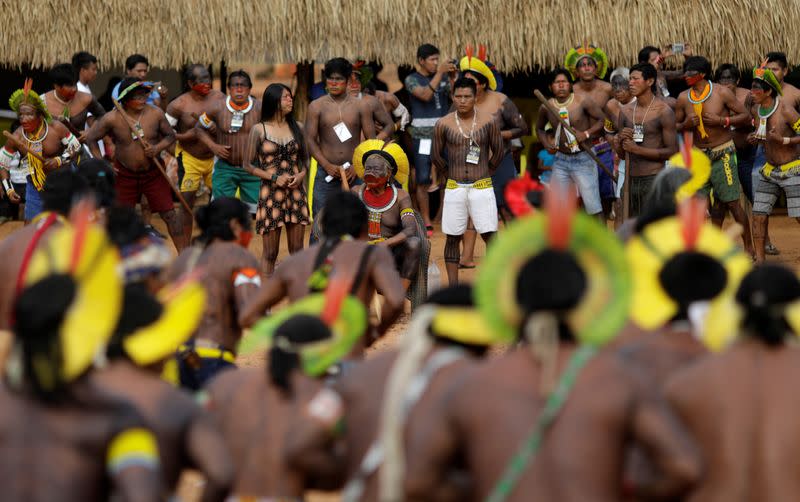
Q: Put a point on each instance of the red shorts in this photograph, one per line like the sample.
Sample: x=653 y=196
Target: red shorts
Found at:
x=131 y=185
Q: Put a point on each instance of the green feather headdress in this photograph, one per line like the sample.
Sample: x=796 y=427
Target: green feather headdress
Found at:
x=765 y=74
x=28 y=96
x=363 y=71
x=586 y=50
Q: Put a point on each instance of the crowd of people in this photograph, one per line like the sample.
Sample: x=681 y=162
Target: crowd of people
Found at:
x=653 y=361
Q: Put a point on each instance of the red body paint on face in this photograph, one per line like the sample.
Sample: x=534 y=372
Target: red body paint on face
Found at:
x=202 y=89
x=690 y=81
x=245 y=237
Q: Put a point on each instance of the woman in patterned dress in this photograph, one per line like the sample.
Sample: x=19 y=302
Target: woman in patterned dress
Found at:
x=278 y=155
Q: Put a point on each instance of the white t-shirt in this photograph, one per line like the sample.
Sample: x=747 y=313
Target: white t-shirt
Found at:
x=17 y=170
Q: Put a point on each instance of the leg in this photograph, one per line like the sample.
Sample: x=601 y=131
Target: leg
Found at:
x=269 y=253
x=468 y=253
x=187 y=218
x=487 y=236
x=294 y=237
x=725 y=179
x=584 y=174
x=321 y=191
x=175 y=228
x=759 y=231
x=718 y=211
x=741 y=218
x=452 y=255
x=423 y=203
x=422 y=172
x=147 y=214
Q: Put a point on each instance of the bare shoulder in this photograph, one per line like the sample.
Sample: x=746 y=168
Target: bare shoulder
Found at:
x=236 y=255
x=154 y=111
x=229 y=382
x=59 y=128
x=373 y=370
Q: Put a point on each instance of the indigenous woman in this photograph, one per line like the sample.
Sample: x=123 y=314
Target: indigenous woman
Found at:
x=277 y=154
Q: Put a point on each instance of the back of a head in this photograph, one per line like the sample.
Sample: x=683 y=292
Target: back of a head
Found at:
x=551 y=281
x=284 y=355
x=39 y=311
x=100 y=176
x=214 y=219
x=63 y=74
x=660 y=201
x=339 y=66
x=344 y=214
x=764 y=294
x=452 y=296
x=425 y=51
x=690 y=277
x=124 y=226
x=62 y=189
x=139 y=309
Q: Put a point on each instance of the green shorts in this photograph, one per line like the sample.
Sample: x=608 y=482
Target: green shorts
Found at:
x=724 y=180
x=227 y=179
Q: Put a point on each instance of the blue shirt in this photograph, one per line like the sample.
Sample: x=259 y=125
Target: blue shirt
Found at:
x=426 y=113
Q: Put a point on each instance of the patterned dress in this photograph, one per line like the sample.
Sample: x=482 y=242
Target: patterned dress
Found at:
x=279 y=206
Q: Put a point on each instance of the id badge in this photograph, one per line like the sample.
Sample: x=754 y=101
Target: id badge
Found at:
x=237 y=121
x=137 y=130
x=342 y=132
x=473 y=154
x=638 y=133
x=425 y=146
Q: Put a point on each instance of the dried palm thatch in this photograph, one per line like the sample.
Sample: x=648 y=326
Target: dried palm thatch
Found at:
x=520 y=34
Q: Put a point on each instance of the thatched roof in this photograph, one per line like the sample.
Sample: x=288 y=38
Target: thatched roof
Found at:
x=520 y=34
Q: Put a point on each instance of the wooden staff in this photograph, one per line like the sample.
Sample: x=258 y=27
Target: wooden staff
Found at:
x=157 y=160
x=547 y=104
x=23 y=148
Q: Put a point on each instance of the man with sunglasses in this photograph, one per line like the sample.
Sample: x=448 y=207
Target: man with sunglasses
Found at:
x=133 y=162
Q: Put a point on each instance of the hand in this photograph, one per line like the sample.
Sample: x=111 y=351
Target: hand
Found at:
x=626 y=133
x=150 y=152
x=221 y=151
x=13 y=197
x=582 y=136
x=752 y=139
x=687 y=50
x=162 y=91
x=82 y=137
x=694 y=120
x=629 y=145
x=445 y=67
x=283 y=180
x=297 y=179
x=52 y=163
x=351 y=175
x=774 y=137
x=710 y=118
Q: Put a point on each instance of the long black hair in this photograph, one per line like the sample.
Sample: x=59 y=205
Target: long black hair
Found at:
x=214 y=219
x=299 y=329
x=271 y=105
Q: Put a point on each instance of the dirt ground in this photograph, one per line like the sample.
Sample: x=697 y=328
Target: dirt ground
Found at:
x=783 y=231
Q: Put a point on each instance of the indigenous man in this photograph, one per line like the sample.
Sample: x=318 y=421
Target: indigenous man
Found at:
x=144 y=256
x=256 y=408
x=133 y=161
x=392 y=222
x=572 y=165
x=588 y=65
x=44 y=146
x=647 y=143
x=357 y=88
x=63 y=439
x=778 y=127
x=708 y=112
x=146 y=336
x=429 y=88
x=555 y=423
x=735 y=404
x=334 y=127
x=342 y=252
x=231 y=278
x=195 y=159
x=229 y=122
x=449 y=336
x=474 y=152
x=85 y=65
x=657 y=57
x=620 y=86
x=66 y=103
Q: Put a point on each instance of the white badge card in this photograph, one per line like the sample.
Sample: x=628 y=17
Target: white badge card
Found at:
x=425 y=146
x=473 y=154
x=638 y=133
x=237 y=121
x=342 y=132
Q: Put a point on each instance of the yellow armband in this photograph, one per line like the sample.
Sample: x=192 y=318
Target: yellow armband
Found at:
x=132 y=447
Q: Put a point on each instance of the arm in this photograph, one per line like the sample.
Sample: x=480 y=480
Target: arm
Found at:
x=268 y=295
x=513 y=120
x=95 y=108
x=738 y=115
x=437 y=151
x=208 y=453
x=497 y=146
x=792 y=119
x=309 y=443
x=541 y=123
x=366 y=109
x=683 y=122
x=666 y=444
x=167 y=135
x=381 y=116
x=594 y=111
x=407 y=219
x=133 y=465
x=388 y=283
x=203 y=136
x=246 y=282
x=425 y=92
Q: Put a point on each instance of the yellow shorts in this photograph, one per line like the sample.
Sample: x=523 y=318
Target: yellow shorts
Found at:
x=195 y=170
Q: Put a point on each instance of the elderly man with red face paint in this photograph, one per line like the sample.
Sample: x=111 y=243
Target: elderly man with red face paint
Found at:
x=43 y=144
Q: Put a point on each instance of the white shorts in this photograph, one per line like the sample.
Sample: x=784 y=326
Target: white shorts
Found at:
x=463 y=202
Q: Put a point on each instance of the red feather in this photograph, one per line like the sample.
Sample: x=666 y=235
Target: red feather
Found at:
x=26 y=88
x=482 y=52
x=692 y=213
x=80 y=217
x=470 y=52
x=335 y=293
x=516 y=195
x=561 y=205
x=686 y=149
